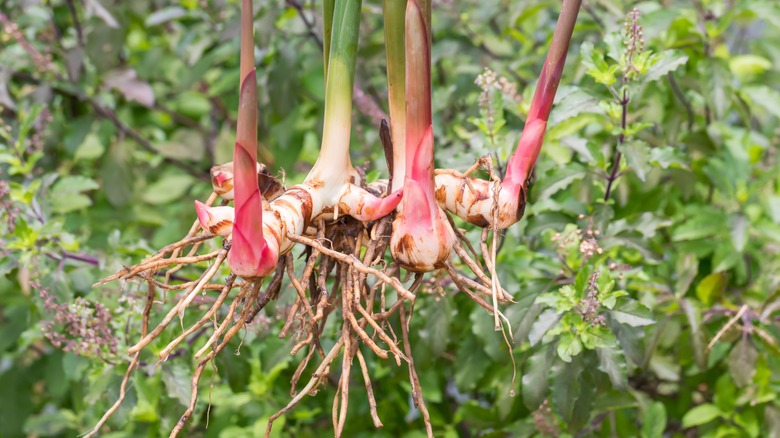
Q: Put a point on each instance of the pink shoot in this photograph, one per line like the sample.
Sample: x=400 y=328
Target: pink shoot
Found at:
x=522 y=161
x=473 y=199
x=215 y=220
x=250 y=255
x=422 y=239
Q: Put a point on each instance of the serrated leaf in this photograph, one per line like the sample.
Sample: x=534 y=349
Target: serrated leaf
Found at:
x=583 y=404
x=572 y=391
x=544 y=322
x=572 y=104
x=535 y=374
x=638 y=158
x=568 y=346
x=565 y=387
x=613 y=364
x=667 y=62
x=631 y=312
x=766 y=97
x=67 y=194
x=177 y=381
x=560 y=179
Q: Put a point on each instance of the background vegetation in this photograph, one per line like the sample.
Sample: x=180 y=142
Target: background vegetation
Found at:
x=649 y=311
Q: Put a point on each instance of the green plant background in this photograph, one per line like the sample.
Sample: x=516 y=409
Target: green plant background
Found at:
x=652 y=314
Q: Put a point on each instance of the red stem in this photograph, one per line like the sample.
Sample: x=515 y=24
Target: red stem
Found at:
x=522 y=161
x=247 y=256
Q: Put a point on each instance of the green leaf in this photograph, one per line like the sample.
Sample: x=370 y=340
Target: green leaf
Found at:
x=666 y=62
x=164 y=15
x=184 y=144
x=772 y=420
x=177 y=381
x=749 y=65
x=436 y=333
x=654 y=421
x=74 y=184
x=701 y=414
x=568 y=346
x=631 y=312
x=66 y=195
x=535 y=373
x=613 y=364
x=742 y=362
x=739 y=227
x=565 y=387
x=560 y=179
x=49 y=424
x=572 y=390
x=711 y=287
x=699 y=226
x=168 y=188
x=765 y=97
x=544 y=322
x=116 y=176
x=92 y=148
x=693 y=314
x=638 y=158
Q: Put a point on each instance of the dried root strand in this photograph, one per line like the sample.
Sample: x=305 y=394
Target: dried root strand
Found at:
x=225 y=322
x=146 y=340
x=357 y=264
x=320 y=373
x=155 y=259
x=369 y=389
x=203 y=320
x=417 y=396
x=237 y=326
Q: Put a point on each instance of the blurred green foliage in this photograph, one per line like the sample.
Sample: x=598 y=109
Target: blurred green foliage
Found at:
x=651 y=313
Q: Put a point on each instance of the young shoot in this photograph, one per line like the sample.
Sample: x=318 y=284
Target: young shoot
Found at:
x=260 y=235
x=422 y=237
x=472 y=199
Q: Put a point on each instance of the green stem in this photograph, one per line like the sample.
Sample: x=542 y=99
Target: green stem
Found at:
x=327 y=31
x=334 y=153
x=394 y=15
